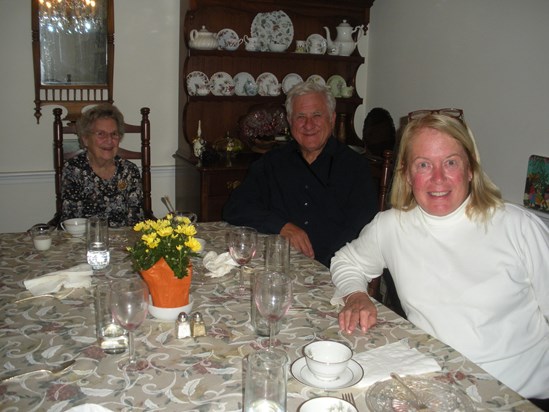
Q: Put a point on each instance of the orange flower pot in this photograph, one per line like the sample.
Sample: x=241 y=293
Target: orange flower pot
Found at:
x=166 y=290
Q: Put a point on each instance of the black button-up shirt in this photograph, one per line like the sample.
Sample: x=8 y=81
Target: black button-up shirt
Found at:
x=332 y=199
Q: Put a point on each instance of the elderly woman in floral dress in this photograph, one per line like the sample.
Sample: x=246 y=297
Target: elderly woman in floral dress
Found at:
x=97 y=182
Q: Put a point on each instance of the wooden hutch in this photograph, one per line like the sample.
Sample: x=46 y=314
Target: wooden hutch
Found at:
x=207 y=188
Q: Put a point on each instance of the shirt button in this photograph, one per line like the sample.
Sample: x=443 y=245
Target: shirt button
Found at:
x=306 y=204
x=306 y=222
x=306 y=186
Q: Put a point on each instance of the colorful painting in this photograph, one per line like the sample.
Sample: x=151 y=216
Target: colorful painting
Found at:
x=536 y=192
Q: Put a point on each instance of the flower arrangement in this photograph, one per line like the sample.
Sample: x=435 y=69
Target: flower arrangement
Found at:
x=171 y=238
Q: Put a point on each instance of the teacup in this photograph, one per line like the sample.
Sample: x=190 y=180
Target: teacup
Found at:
x=327 y=360
x=317 y=46
x=252 y=43
x=232 y=44
x=300 y=46
x=76 y=226
x=347 y=91
x=277 y=47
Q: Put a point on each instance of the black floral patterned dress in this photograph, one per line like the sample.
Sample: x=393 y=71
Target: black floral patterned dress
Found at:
x=85 y=194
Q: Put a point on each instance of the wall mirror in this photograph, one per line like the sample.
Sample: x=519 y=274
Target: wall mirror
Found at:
x=73 y=53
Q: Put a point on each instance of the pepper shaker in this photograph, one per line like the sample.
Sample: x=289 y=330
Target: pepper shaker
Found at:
x=182 y=326
x=198 y=328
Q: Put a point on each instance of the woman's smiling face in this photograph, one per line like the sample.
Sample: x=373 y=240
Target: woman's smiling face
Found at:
x=438 y=171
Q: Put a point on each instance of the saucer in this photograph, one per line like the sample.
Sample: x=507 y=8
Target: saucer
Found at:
x=351 y=376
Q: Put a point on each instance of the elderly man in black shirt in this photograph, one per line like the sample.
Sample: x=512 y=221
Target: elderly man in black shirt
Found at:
x=315 y=191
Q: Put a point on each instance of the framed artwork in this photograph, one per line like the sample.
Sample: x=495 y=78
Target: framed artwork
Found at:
x=536 y=192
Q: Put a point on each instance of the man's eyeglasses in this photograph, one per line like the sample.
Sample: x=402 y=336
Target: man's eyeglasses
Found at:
x=102 y=135
x=450 y=112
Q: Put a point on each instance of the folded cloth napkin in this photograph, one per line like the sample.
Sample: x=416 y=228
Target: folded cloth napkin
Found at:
x=78 y=276
x=218 y=265
x=396 y=357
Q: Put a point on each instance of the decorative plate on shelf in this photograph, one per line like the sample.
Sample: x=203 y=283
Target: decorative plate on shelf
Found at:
x=315 y=78
x=219 y=83
x=228 y=39
x=264 y=80
x=289 y=81
x=316 y=39
x=195 y=80
x=240 y=80
x=275 y=27
x=389 y=396
x=336 y=83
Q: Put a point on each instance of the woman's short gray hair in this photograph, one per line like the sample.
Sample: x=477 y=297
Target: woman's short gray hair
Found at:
x=85 y=123
x=309 y=88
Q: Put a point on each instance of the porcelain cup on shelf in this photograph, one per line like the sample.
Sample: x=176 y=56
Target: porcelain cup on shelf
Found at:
x=233 y=44
x=274 y=89
x=277 y=47
x=347 y=91
x=252 y=43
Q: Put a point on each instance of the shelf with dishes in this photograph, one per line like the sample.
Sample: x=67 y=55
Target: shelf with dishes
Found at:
x=291 y=55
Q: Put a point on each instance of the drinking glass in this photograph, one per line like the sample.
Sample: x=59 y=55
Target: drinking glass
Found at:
x=277 y=254
x=129 y=303
x=273 y=297
x=266 y=382
x=242 y=243
x=97 y=242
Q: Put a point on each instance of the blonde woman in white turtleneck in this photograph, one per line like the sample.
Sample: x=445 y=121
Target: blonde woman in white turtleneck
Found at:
x=469 y=269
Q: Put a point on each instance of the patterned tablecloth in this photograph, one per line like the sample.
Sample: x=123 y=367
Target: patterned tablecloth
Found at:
x=201 y=374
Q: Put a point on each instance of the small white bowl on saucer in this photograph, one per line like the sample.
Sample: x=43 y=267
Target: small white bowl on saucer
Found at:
x=326 y=404
x=76 y=226
x=327 y=360
x=169 y=313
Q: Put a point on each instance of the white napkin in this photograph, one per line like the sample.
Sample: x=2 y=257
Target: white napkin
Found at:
x=396 y=357
x=78 y=276
x=218 y=265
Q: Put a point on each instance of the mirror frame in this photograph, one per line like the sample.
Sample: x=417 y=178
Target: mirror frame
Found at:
x=72 y=97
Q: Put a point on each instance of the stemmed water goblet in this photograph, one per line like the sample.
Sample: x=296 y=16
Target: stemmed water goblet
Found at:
x=273 y=298
x=129 y=304
x=242 y=243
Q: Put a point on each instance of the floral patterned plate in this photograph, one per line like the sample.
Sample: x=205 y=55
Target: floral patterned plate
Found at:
x=289 y=81
x=228 y=39
x=275 y=26
x=240 y=80
x=194 y=81
x=315 y=78
x=219 y=82
x=264 y=81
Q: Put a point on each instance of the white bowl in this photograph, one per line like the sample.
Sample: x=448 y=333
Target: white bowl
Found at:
x=76 y=226
x=327 y=404
x=327 y=359
x=169 y=313
x=277 y=47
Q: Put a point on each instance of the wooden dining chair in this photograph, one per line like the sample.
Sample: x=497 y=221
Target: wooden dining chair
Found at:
x=60 y=156
x=382 y=172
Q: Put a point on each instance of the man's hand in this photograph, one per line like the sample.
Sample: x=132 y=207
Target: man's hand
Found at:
x=298 y=238
x=359 y=311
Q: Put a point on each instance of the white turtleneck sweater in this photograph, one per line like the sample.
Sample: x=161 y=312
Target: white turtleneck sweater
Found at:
x=482 y=289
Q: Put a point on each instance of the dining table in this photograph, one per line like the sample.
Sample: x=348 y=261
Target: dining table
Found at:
x=203 y=373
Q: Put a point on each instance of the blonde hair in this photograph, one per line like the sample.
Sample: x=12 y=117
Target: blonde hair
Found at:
x=485 y=195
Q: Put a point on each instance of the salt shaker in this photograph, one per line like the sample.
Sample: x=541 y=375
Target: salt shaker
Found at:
x=182 y=326
x=198 y=328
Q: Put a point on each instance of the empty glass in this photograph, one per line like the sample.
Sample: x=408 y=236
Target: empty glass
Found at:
x=277 y=254
x=266 y=382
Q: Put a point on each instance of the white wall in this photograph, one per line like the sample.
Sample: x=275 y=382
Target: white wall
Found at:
x=488 y=57
x=146 y=74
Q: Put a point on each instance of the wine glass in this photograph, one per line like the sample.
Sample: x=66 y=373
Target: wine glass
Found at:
x=273 y=297
x=242 y=243
x=129 y=303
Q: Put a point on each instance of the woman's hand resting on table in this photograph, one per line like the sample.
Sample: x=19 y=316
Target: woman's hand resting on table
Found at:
x=359 y=311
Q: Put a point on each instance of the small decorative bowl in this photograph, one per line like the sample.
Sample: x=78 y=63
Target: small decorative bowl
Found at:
x=277 y=47
x=327 y=359
x=169 y=313
x=76 y=226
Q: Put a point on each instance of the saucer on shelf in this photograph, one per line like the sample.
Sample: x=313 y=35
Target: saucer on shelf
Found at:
x=351 y=376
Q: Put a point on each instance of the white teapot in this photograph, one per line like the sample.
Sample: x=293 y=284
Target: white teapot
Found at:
x=344 y=43
x=203 y=39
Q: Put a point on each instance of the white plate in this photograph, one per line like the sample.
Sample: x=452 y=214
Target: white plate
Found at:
x=194 y=80
x=336 y=83
x=240 y=80
x=225 y=36
x=327 y=404
x=319 y=38
x=315 y=78
x=389 y=396
x=264 y=80
x=351 y=376
x=219 y=81
x=274 y=26
x=289 y=81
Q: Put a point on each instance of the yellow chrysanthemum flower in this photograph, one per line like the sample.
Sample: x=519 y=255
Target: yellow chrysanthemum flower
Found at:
x=165 y=231
x=193 y=244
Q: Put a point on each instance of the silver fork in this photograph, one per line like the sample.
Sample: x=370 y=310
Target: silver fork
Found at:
x=49 y=369
x=349 y=398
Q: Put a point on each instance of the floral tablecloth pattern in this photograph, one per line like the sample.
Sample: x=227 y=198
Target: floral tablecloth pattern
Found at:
x=196 y=374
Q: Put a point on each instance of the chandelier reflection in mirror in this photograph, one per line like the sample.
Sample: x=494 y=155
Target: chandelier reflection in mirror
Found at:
x=73 y=53
x=73 y=40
